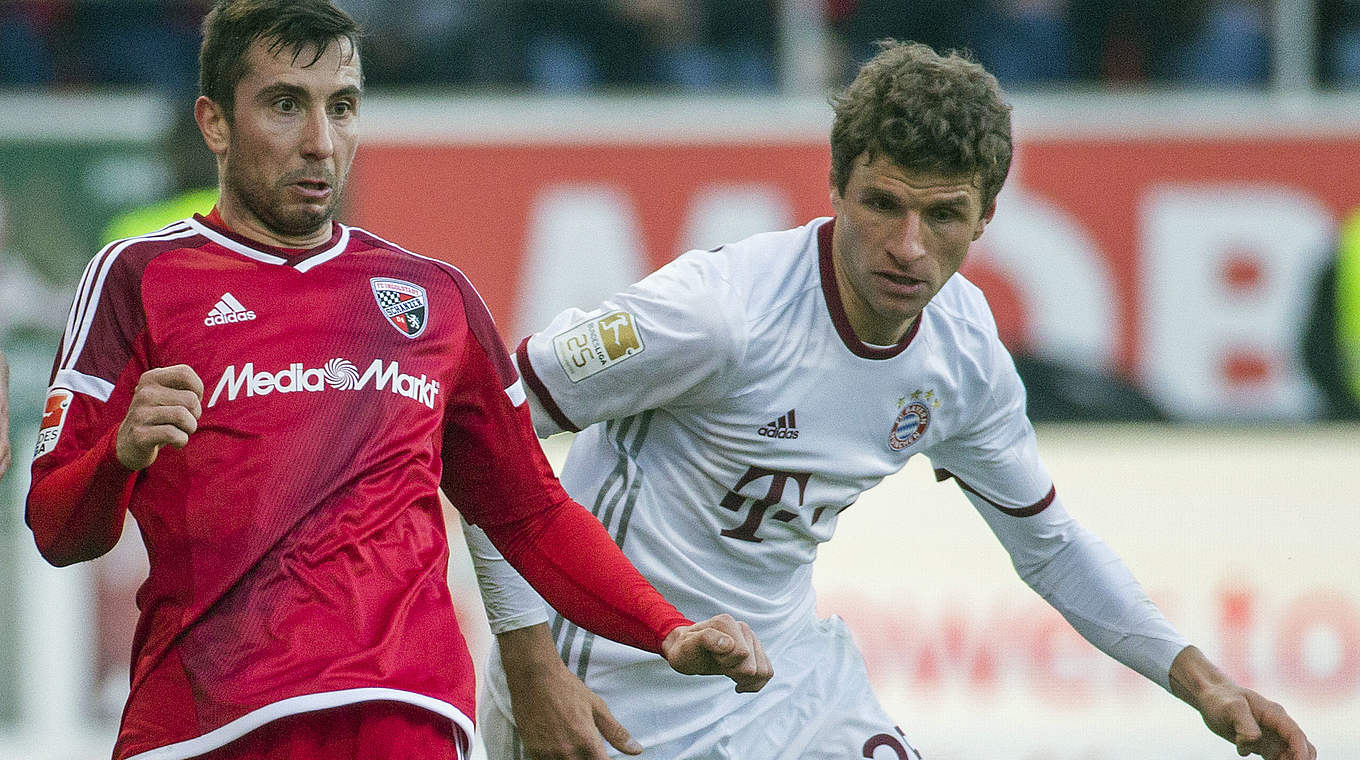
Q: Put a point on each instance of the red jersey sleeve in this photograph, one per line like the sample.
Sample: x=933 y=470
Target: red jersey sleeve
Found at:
x=494 y=470
x=78 y=496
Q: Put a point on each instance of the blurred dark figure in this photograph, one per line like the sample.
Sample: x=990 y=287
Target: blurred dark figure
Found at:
x=150 y=43
x=26 y=58
x=1331 y=341
x=1026 y=42
x=1061 y=392
x=941 y=24
x=1338 y=34
x=694 y=45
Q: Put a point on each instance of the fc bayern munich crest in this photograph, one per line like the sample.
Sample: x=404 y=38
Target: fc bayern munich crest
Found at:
x=910 y=425
x=402 y=303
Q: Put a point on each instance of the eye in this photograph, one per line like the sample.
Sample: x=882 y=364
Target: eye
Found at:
x=946 y=214
x=342 y=108
x=880 y=202
x=286 y=104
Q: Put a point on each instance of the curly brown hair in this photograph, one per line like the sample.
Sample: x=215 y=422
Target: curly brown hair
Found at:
x=926 y=112
x=232 y=25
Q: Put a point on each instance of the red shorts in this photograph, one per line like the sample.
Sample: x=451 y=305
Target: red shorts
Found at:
x=361 y=731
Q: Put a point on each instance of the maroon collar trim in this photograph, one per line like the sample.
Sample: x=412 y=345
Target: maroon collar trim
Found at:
x=831 y=292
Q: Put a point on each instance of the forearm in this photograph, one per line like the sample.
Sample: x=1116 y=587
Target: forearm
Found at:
x=573 y=563
x=76 y=510
x=1095 y=591
x=1090 y=586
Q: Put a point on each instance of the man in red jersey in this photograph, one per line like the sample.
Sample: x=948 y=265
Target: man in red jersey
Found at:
x=277 y=398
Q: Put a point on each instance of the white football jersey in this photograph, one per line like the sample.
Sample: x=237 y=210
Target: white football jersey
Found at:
x=728 y=415
x=740 y=416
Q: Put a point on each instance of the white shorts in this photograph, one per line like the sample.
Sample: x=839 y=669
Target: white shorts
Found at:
x=825 y=712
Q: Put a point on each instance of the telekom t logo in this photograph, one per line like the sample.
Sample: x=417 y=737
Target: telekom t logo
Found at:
x=779 y=480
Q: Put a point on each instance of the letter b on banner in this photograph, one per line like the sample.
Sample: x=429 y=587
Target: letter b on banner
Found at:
x=1228 y=279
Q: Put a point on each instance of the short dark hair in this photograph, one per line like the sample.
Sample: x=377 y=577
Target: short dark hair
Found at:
x=231 y=26
x=925 y=112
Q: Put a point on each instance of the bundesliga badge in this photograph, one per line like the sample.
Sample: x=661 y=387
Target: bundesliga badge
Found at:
x=402 y=303
x=53 y=420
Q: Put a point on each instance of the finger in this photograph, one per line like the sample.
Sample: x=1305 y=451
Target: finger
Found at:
x=1246 y=732
x=151 y=394
x=163 y=435
x=179 y=376
x=716 y=642
x=613 y=731
x=175 y=416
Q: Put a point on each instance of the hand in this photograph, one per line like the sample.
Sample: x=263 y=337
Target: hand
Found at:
x=557 y=716
x=164 y=411
x=719 y=646
x=1247 y=719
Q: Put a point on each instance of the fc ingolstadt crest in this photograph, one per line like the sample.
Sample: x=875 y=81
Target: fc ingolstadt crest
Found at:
x=403 y=304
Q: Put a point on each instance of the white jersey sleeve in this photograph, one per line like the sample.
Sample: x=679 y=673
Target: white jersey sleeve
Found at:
x=1088 y=583
x=995 y=460
x=511 y=603
x=668 y=340
x=664 y=341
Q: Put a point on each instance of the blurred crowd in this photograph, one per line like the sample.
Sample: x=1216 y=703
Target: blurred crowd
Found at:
x=695 y=45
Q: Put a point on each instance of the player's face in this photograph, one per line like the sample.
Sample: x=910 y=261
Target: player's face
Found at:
x=291 y=142
x=899 y=237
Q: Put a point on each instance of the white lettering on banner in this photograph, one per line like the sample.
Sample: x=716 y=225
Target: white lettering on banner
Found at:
x=725 y=213
x=570 y=224
x=1228 y=275
x=1068 y=289
x=598 y=223
x=337 y=374
x=1224 y=279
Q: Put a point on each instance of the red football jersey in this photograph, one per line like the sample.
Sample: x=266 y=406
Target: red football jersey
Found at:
x=297 y=548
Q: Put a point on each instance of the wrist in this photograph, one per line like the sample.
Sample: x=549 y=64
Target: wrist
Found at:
x=527 y=651
x=1192 y=675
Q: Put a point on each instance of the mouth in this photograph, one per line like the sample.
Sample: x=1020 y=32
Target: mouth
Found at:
x=312 y=189
x=903 y=284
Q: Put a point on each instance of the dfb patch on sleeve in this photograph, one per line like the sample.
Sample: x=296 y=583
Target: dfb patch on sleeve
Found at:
x=597 y=344
x=53 y=420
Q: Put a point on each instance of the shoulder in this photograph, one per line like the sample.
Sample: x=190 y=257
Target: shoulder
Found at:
x=960 y=321
x=435 y=272
x=125 y=260
x=446 y=280
x=759 y=272
x=963 y=307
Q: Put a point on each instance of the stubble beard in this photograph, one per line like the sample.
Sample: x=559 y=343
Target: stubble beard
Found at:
x=265 y=203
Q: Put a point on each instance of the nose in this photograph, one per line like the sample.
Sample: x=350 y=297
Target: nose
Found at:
x=317 y=140
x=907 y=243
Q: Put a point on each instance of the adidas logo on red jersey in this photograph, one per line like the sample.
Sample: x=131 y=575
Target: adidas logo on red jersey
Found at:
x=784 y=427
x=228 y=310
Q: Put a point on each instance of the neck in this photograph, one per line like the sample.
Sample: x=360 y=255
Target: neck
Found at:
x=241 y=221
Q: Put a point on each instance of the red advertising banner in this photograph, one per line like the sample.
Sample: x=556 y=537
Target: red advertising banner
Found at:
x=1183 y=263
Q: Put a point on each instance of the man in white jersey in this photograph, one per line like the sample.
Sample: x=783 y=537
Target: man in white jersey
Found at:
x=734 y=402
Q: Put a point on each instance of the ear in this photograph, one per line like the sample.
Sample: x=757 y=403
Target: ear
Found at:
x=985 y=220
x=834 y=192
x=212 y=123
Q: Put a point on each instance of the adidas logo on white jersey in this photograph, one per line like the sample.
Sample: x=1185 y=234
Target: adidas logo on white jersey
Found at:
x=228 y=310
x=784 y=427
